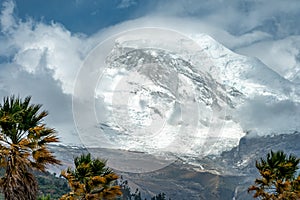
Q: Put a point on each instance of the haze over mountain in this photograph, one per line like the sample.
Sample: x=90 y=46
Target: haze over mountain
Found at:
x=42 y=52
x=170 y=99
x=173 y=93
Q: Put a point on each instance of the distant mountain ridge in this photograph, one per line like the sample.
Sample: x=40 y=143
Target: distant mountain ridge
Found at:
x=213 y=177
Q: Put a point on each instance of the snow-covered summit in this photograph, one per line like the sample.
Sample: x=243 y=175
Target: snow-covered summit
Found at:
x=184 y=97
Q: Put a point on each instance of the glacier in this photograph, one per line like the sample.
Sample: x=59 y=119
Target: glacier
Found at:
x=185 y=95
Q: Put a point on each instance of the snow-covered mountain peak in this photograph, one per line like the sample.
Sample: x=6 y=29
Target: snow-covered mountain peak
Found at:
x=186 y=95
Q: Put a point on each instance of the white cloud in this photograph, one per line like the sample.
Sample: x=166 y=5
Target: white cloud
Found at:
x=230 y=15
x=126 y=3
x=7 y=20
x=61 y=50
x=42 y=61
x=43 y=89
x=259 y=28
x=44 y=58
x=264 y=118
x=280 y=55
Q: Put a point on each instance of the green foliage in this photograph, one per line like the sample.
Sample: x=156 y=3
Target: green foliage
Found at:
x=278 y=179
x=279 y=165
x=43 y=197
x=90 y=180
x=126 y=191
x=51 y=185
x=160 y=196
x=23 y=147
x=128 y=195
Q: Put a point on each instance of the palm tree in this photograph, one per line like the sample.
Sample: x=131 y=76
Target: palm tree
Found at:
x=91 y=180
x=278 y=177
x=23 y=147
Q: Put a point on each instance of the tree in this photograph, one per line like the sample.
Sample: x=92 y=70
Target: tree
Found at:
x=47 y=197
x=126 y=191
x=23 y=147
x=278 y=181
x=91 y=180
x=160 y=196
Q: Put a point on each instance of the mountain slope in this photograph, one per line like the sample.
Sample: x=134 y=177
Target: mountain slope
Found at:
x=186 y=96
x=213 y=177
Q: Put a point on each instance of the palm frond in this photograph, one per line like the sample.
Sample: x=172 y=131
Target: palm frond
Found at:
x=23 y=146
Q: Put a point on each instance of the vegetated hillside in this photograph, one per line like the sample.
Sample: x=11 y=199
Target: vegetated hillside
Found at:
x=180 y=181
x=52 y=184
x=225 y=177
x=49 y=183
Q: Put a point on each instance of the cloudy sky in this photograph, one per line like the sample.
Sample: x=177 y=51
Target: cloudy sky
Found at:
x=43 y=43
